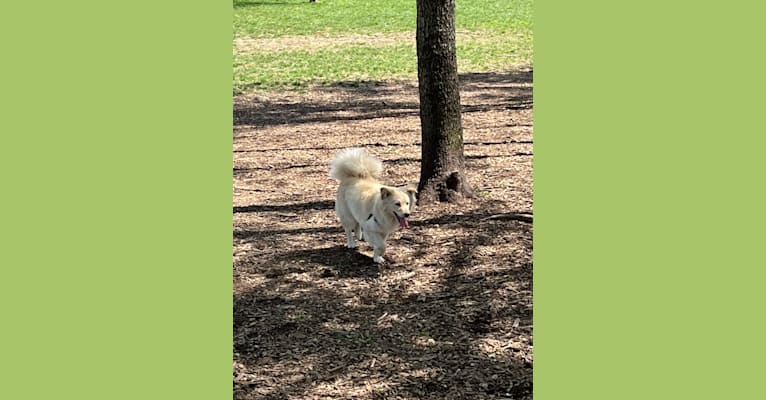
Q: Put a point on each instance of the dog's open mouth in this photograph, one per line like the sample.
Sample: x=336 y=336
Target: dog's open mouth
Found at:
x=403 y=222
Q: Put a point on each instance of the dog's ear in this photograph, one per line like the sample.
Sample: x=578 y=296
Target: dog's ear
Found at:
x=412 y=193
x=384 y=193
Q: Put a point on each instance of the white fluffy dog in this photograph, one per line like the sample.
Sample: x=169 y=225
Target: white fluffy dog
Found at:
x=365 y=205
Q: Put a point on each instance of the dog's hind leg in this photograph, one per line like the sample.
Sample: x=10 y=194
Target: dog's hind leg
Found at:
x=350 y=238
x=351 y=228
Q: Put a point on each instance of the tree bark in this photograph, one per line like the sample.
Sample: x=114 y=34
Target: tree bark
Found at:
x=442 y=170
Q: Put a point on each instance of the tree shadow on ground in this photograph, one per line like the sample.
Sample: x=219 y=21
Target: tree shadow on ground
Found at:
x=408 y=160
x=251 y=3
x=340 y=261
x=326 y=322
x=310 y=205
x=451 y=317
x=369 y=145
x=252 y=234
x=348 y=102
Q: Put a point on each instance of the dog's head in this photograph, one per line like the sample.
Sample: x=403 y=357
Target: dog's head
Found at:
x=400 y=202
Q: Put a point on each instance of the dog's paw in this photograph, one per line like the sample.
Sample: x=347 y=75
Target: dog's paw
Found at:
x=351 y=245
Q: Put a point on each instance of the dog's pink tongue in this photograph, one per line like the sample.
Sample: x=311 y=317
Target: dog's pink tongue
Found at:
x=404 y=223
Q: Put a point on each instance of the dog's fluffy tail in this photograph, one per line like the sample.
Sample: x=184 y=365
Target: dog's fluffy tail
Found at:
x=355 y=164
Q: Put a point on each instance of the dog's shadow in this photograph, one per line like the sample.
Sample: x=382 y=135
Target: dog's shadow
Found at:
x=338 y=261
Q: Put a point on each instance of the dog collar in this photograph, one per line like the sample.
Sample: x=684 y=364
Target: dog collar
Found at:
x=373 y=218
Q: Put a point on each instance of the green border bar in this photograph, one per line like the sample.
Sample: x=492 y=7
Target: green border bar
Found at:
x=649 y=200
x=116 y=217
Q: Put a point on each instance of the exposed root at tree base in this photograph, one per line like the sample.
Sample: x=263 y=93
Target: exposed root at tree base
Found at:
x=452 y=188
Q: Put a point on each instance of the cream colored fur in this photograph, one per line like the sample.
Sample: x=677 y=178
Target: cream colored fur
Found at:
x=365 y=206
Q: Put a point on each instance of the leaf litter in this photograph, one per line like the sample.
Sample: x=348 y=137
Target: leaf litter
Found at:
x=448 y=317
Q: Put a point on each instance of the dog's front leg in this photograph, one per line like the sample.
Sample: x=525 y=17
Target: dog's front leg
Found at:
x=378 y=243
x=359 y=235
x=378 y=252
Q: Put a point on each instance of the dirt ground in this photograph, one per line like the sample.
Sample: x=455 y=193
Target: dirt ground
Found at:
x=448 y=317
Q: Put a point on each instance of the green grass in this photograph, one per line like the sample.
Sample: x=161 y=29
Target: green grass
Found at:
x=299 y=17
x=500 y=37
x=298 y=68
x=267 y=70
x=271 y=18
x=494 y=53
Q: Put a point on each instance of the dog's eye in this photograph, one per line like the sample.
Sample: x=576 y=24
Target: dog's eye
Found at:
x=398 y=204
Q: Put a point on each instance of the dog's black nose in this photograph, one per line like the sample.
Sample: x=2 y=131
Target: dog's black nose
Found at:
x=406 y=215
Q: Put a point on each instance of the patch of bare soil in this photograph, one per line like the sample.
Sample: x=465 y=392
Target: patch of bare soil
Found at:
x=312 y=43
x=448 y=317
x=245 y=44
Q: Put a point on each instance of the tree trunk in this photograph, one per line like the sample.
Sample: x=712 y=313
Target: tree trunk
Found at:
x=442 y=168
